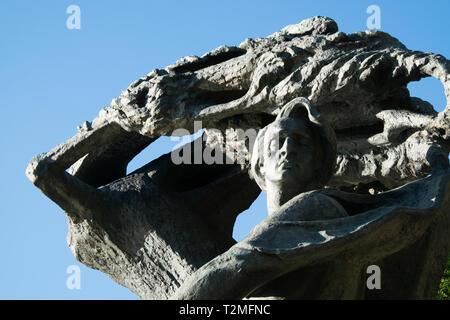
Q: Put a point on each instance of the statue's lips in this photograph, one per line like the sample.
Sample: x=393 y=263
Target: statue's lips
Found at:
x=287 y=164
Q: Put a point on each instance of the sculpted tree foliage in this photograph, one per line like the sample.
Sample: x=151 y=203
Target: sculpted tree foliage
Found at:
x=366 y=180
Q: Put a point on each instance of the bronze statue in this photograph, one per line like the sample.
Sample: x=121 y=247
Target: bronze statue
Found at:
x=368 y=188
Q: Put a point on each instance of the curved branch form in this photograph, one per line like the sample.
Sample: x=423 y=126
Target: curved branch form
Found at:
x=358 y=81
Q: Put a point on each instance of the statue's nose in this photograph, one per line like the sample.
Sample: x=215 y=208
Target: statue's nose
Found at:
x=288 y=147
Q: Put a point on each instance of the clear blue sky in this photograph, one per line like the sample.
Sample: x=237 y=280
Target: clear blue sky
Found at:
x=53 y=79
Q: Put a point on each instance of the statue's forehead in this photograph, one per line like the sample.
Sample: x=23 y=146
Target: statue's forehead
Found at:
x=289 y=125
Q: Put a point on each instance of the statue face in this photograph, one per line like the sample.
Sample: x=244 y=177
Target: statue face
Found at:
x=289 y=154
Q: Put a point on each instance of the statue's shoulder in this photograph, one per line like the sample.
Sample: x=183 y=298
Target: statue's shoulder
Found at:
x=308 y=206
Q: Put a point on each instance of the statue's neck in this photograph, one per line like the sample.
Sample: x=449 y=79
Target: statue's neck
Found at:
x=276 y=197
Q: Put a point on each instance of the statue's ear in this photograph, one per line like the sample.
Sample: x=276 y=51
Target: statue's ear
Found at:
x=257 y=172
x=261 y=171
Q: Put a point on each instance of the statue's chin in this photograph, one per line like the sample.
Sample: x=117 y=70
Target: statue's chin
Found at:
x=290 y=180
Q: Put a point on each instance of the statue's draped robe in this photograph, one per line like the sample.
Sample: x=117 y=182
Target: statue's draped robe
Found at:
x=402 y=231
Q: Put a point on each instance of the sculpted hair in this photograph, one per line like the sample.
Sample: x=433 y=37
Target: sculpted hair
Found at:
x=324 y=143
